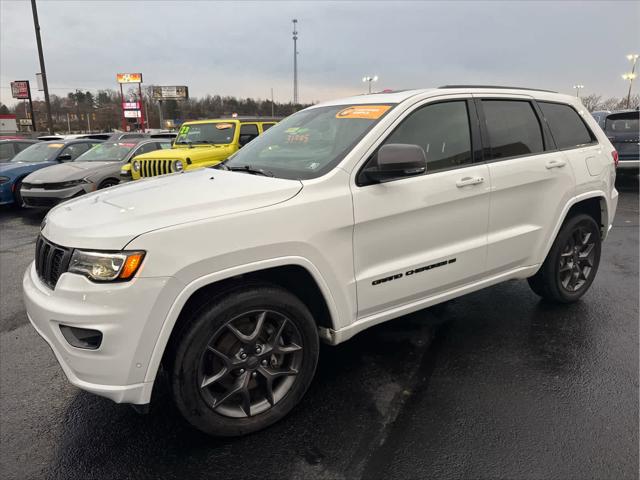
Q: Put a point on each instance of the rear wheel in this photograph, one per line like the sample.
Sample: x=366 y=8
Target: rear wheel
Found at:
x=244 y=361
x=572 y=263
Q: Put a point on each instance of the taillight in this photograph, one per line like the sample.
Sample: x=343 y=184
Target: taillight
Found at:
x=614 y=155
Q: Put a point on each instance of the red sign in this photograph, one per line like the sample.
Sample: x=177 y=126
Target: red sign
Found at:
x=20 y=89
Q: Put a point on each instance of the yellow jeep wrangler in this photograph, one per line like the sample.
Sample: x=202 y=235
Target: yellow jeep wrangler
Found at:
x=199 y=144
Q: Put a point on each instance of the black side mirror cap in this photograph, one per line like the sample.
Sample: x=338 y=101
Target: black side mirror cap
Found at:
x=64 y=157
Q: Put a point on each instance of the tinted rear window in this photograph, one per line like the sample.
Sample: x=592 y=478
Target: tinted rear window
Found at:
x=513 y=128
x=628 y=122
x=568 y=129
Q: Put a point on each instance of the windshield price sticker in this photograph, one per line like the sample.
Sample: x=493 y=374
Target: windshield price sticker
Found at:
x=184 y=130
x=224 y=126
x=369 y=112
x=55 y=145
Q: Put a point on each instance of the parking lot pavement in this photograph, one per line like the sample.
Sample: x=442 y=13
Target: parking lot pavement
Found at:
x=496 y=384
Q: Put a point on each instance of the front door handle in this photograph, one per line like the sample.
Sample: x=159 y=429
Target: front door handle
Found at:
x=466 y=181
x=555 y=164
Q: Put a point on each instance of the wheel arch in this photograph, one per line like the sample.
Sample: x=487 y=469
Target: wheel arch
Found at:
x=296 y=274
x=593 y=204
x=104 y=180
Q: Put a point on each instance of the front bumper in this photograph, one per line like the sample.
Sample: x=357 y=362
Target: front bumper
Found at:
x=6 y=193
x=42 y=198
x=129 y=315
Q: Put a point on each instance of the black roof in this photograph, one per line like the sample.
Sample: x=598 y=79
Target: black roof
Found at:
x=67 y=141
x=251 y=119
x=497 y=87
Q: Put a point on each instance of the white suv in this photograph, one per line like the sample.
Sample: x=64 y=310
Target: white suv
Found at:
x=342 y=216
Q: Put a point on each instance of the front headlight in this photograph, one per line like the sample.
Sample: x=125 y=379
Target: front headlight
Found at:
x=4 y=180
x=106 y=267
x=71 y=183
x=136 y=166
x=179 y=166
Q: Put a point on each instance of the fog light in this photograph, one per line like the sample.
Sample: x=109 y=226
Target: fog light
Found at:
x=82 y=337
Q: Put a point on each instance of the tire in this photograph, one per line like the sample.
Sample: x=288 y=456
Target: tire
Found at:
x=243 y=341
x=17 y=196
x=572 y=263
x=109 y=182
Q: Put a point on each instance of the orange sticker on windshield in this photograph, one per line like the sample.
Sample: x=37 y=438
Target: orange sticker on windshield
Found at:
x=55 y=145
x=370 y=112
x=224 y=126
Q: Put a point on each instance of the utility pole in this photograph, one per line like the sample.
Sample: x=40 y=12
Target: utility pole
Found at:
x=42 y=69
x=295 y=62
x=633 y=58
x=272 y=103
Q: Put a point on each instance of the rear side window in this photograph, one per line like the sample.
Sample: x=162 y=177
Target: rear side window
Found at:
x=442 y=130
x=567 y=128
x=267 y=126
x=513 y=128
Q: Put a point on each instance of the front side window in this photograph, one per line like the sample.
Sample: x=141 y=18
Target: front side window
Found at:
x=248 y=132
x=566 y=126
x=513 y=128
x=309 y=143
x=6 y=151
x=75 y=150
x=219 y=133
x=442 y=130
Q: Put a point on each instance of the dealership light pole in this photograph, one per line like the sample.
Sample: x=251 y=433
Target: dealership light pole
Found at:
x=633 y=58
x=578 y=87
x=45 y=85
x=295 y=62
x=370 y=79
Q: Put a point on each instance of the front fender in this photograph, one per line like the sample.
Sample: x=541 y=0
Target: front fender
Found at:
x=196 y=284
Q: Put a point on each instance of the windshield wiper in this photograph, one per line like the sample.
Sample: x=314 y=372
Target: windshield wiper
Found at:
x=250 y=169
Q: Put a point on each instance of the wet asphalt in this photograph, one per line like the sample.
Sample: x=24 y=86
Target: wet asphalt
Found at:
x=496 y=384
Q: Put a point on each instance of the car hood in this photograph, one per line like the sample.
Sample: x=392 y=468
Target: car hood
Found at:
x=18 y=168
x=109 y=219
x=69 y=171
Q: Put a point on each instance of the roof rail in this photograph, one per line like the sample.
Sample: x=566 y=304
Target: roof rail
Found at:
x=497 y=86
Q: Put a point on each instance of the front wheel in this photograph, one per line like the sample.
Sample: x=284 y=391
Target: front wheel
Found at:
x=244 y=361
x=572 y=263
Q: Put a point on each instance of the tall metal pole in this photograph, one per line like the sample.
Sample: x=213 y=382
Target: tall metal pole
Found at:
x=45 y=85
x=295 y=62
x=272 y=111
x=631 y=77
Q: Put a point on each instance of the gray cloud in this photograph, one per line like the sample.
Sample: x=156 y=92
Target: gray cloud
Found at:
x=245 y=48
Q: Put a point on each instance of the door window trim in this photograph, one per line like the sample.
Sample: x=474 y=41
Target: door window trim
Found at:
x=474 y=136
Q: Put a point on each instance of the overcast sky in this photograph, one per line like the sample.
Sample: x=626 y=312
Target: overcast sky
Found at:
x=245 y=48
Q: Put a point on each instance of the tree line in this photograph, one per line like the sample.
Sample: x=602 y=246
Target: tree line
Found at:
x=102 y=112
x=81 y=111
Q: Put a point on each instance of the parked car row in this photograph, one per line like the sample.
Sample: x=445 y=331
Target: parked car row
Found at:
x=623 y=130
x=58 y=168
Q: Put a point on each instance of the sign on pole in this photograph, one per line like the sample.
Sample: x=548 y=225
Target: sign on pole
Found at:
x=176 y=92
x=129 y=77
x=20 y=89
x=26 y=122
x=39 y=82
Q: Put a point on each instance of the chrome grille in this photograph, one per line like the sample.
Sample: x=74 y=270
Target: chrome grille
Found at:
x=51 y=261
x=152 y=168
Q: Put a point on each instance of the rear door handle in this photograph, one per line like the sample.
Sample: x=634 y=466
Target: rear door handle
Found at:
x=466 y=181
x=555 y=164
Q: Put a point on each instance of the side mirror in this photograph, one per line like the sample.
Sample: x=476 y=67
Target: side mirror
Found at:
x=396 y=160
x=65 y=157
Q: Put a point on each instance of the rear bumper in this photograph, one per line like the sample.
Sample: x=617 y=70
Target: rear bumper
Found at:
x=628 y=164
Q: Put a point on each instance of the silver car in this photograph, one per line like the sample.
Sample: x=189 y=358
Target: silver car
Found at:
x=96 y=169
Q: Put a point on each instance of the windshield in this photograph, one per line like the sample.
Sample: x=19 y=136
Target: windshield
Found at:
x=309 y=143
x=40 y=152
x=107 y=152
x=213 y=133
x=623 y=123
